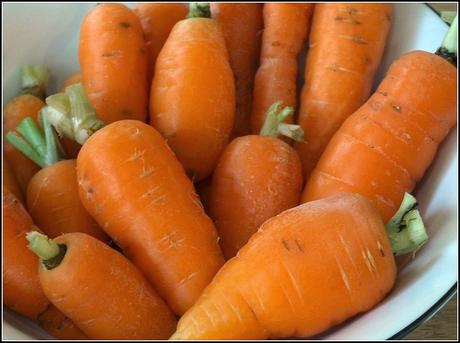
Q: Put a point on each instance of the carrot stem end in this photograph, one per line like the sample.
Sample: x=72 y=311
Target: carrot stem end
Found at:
x=50 y=253
x=199 y=10
x=274 y=126
x=448 y=49
x=34 y=80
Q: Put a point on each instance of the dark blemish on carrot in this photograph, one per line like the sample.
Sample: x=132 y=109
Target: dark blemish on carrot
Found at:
x=90 y=190
x=396 y=108
x=367 y=60
x=276 y=43
x=351 y=10
x=388 y=16
x=358 y=40
x=126 y=112
x=113 y=53
x=348 y=20
x=125 y=24
x=383 y=93
x=285 y=244
x=298 y=245
x=382 y=252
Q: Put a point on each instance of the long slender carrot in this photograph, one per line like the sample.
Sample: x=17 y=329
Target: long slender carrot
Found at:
x=21 y=287
x=384 y=148
x=304 y=271
x=157 y=20
x=113 y=62
x=346 y=45
x=132 y=184
x=242 y=25
x=99 y=289
x=257 y=177
x=285 y=29
x=192 y=101
x=52 y=194
x=10 y=182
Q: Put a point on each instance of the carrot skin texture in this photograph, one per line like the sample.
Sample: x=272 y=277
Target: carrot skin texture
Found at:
x=54 y=204
x=385 y=147
x=166 y=221
x=346 y=46
x=242 y=25
x=10 y=182
x=15 y=111
x=304 y=271
x=192 y=100
x=104 y=293
x=21 y=285
x=157 y=21
x=113 y=63
x=256 y=178
x=285 y=29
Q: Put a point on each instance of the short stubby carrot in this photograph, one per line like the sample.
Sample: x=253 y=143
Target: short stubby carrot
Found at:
x=304 y=271
x=133 y=185
x=21 y=286
x=192 y=100
x=285 y=28
x=346 y=45
x=385 y=147
x=54 y=203
x=157 y=20
x=99 y=288
x=242 y=25
x=10 y=182
x=113 y=62
x=15 y=111
x=71 y=80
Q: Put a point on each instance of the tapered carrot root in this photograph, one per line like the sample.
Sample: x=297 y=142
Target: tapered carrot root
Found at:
x=385 y=147
x=307 y=269
x=157 y=21
x=242 y=25
x=113 y=62
x=101 y=290
x=149 y=207
x=192 y=100
x=54 y=203
x=285 y=29
x=10 y=182
x=21 y=287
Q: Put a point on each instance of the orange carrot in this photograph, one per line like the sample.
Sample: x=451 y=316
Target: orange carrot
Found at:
x=384 y=148
x=257 y=177
x=99 y=289
x=157 y=20
x=10 y=182
x=132 y=184
x=71 y=80
x=192 y=101
x=21 y=287
x=346 y=45
x=113 y=62
x=285 y=29
x=304 y=271
x=242 y=27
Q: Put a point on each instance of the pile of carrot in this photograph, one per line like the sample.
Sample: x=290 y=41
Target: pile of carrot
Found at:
x=180 y=185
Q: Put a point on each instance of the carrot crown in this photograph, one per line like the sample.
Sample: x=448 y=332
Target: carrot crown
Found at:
x=199 y=10
x=448 y=49
x=274 y=126
x=50 y=253
x=405 y=229
x=34 y=80
x=72 y=114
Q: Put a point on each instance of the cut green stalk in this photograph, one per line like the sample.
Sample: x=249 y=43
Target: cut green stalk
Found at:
x=199 y=10
x=406 y=230
x=58 y=113
x=274 y=126
x=23 y=146
x=34 y=80
x=50 y=253
x=448 y=49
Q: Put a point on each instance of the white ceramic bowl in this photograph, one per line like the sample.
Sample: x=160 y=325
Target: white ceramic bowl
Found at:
x=48 y=34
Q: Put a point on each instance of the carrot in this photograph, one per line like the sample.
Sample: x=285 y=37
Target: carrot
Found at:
x=52 y=193
x=113 y=62
x=192 y=101
x=257 y=177
x=71 y=80
x=304 y=271
x=132 y=184
x=34 y=80
x=99 y=289
x=10 y=182
x=157 y=20
x=242 y=26
x=384 y=148
x=21 y=287
x=285 y=29
x=346 y=46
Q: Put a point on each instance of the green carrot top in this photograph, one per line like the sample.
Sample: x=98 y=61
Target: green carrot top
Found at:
x=448 y=49
x=274 y=123
x=199 y=10
x=34 y=80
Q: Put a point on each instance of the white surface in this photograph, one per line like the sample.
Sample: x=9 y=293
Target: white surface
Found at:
x=48 y=33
